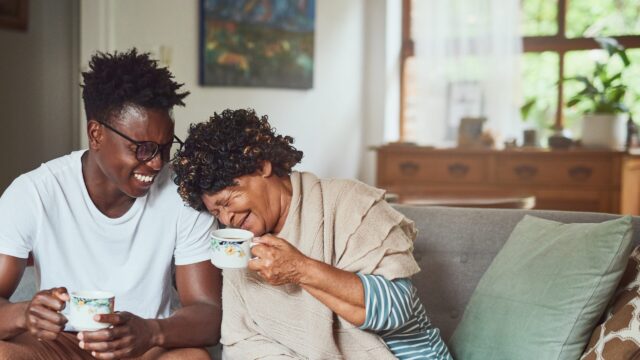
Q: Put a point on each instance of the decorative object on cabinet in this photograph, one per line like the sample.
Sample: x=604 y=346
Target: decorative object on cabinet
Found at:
x=530 y=138
x=471 y=135
x=559 y=140
x=538 y=115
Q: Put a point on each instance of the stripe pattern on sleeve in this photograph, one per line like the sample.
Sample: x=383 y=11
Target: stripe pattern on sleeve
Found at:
x=395 y=313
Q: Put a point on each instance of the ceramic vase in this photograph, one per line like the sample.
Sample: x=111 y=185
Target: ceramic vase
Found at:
x=604 y=130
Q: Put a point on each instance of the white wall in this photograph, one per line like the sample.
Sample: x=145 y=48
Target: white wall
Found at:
x=38 y=88
x=381 y=101
x=328 y=122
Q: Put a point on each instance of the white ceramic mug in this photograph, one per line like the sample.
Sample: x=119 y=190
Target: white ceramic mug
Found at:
x=85 y=304
x=231 y=248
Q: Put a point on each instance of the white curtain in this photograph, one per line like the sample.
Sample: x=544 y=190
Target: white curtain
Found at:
x=467 y=63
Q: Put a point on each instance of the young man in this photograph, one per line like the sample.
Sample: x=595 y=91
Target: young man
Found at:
x=109 y=218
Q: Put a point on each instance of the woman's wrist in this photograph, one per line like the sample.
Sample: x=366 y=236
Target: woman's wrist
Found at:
x=305 y=268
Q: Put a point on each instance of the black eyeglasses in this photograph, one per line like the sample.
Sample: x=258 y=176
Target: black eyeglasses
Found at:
x=147 y=150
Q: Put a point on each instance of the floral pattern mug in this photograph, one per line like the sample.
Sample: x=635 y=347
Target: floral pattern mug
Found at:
x=231 y=248
x=84 y=305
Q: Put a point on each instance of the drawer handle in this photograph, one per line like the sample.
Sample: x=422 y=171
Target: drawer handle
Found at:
x=526 y=172
x=458 y=170
x=580 y=173
x=409 y=168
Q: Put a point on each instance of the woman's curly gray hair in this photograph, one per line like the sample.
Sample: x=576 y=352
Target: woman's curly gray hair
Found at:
x=231 y=144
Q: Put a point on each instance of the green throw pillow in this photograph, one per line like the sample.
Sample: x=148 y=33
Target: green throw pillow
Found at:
x=544 y=292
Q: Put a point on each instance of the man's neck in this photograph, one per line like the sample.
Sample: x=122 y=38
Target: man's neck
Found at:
x=105 y=196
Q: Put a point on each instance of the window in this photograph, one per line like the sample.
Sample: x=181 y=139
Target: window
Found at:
x=558 y=42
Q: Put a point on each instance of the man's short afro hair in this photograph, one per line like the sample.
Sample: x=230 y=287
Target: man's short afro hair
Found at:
x=127 y=78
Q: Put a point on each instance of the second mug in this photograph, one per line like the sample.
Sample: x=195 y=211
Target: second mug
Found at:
x=84 y=305
x=231 y=248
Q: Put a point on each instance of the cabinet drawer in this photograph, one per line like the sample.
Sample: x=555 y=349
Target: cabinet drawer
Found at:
x=450 y=169
x=574 y=171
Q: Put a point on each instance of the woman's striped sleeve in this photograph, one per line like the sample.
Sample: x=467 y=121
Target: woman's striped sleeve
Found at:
x=388 y=303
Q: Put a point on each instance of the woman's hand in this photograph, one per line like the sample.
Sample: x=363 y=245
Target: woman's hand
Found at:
x=130 y=336
x=43 y=318
x=278 y=262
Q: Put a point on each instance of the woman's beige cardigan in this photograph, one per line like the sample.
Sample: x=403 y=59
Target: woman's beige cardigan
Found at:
x=343 y=223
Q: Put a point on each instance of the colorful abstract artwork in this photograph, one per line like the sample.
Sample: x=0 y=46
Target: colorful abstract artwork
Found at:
x=257 y=43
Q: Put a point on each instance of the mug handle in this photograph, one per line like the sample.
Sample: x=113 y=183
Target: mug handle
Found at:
x=252 y=244
x=66 y=312
x=67 y=308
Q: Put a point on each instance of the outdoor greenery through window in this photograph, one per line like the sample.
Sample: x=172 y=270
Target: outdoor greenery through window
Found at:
x=590 y=18
x=558 y=42
x=540 y=17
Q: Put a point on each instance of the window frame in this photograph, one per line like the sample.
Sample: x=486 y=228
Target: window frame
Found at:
x=557 y=43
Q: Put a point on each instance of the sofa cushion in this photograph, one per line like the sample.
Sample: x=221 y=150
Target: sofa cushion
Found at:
x=618 y=337
x=544 y=291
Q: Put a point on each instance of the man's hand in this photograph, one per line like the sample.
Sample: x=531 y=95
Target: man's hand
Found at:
x=278 y=262
x=43 y=318
x=130 y=336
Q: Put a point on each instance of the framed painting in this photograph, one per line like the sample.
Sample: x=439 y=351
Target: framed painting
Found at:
x=257 y=43
x=14 y=14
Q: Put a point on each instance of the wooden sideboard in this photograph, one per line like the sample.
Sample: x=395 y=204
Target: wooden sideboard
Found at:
x=579 y=180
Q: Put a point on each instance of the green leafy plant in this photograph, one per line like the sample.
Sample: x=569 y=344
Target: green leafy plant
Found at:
x=603 y=92
x=525 y=109
x=536 y=112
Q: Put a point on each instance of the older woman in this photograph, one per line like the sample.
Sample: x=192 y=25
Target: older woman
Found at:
x=333 y=261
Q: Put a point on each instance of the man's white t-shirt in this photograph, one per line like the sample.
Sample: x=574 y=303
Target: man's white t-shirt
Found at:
x=48 y=211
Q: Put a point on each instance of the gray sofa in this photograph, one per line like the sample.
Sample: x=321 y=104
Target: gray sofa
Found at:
x=454 y=248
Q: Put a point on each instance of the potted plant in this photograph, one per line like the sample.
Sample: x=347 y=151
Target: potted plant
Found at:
x=602 y=100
